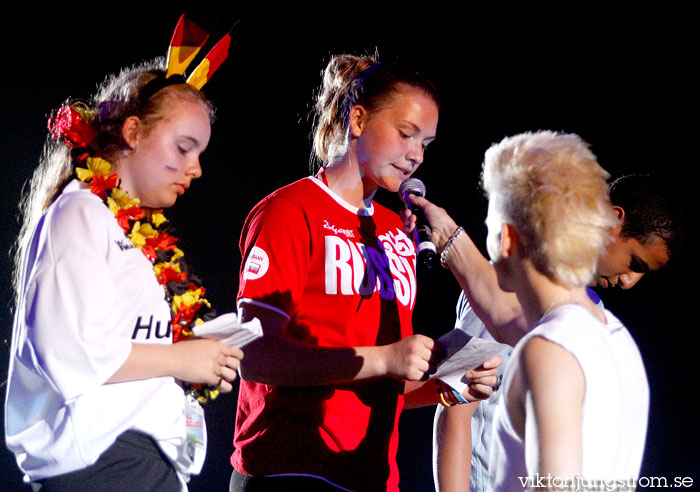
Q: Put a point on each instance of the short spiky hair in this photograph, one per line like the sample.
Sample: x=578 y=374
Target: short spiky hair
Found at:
x=550 y=187
x=651 y=210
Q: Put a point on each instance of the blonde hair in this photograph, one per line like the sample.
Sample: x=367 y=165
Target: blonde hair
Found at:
x=550 y=187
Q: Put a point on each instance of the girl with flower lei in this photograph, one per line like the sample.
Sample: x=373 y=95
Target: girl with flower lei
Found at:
x=102 y=294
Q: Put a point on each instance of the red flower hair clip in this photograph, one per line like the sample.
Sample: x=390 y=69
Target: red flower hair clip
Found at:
x=73 y=126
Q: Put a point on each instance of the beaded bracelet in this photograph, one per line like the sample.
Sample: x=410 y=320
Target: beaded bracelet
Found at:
x=448 y=244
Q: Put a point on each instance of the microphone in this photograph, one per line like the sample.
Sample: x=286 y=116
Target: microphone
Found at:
x=422 y=236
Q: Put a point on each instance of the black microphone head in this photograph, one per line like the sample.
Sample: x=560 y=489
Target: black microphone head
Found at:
x=411 y=185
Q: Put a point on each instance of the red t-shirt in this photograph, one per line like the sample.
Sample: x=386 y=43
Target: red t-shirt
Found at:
x=344 y=277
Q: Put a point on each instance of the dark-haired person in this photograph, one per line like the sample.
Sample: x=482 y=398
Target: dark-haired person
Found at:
x=95 y=398
x=648 y=235
x=331 y=276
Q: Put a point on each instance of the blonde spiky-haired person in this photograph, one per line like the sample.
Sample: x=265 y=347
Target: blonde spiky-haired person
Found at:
x=574 y=400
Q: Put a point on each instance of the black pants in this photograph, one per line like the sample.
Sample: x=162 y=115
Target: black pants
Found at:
x=245 y=483
x=134 y=463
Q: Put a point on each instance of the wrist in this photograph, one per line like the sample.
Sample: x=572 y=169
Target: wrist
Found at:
x=169 y=359
x=450 y=397
x=375 y=361
x=441 y=233
x=445 y=251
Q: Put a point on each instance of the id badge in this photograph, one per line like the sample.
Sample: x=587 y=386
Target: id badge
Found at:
x=196 y=429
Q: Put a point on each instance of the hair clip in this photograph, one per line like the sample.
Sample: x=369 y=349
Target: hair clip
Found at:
x=73 y=124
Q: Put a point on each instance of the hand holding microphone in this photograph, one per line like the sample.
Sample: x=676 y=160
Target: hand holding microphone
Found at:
x=426 y=252
x=440 y=224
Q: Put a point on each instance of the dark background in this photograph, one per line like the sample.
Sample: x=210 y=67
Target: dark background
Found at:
x=625 y=81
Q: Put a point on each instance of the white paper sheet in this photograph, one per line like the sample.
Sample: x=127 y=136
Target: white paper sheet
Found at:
x=463 y=354
x=228 y=330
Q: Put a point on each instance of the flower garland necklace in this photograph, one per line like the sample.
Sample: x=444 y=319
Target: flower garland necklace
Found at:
x=145 y=228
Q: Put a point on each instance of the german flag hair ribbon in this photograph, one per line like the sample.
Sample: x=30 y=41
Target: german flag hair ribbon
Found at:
x=188 y=39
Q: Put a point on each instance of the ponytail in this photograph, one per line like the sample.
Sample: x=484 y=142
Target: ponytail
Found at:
x=348 y=81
